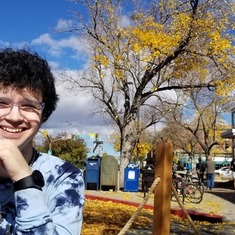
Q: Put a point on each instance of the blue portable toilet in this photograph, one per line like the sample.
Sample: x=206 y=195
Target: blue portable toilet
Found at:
x=131 y=178
x=92 y=174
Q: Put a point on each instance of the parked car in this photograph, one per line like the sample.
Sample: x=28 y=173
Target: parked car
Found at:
x=224 y=172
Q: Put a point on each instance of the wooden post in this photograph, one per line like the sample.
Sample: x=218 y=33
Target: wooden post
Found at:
x=162 y=194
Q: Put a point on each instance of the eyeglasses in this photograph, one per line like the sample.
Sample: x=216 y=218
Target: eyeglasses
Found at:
x=25 y=107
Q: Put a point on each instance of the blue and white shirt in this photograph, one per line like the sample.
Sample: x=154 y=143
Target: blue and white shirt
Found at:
x=56 y=210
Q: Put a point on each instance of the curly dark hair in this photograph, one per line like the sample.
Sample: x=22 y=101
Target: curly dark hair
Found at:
x=21 y=69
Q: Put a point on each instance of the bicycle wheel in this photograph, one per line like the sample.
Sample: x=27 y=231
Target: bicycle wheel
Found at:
x=192 y=193
x=178 y=191
x=177 y=183
x=201 y=187
x=174 y=183
x=199 y=184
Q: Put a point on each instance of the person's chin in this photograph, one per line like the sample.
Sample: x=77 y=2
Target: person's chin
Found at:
x=26 y=145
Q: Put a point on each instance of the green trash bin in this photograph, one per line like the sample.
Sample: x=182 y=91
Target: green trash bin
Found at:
x=109 y=173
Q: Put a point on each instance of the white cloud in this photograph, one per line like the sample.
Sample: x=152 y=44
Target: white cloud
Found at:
x=4 y=44
x=125 y=21
x=47 y=41
x=64 y=25
x=57 y=47
x=74 y=114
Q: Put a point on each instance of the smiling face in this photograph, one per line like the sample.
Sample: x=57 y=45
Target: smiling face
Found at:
x=20 y=116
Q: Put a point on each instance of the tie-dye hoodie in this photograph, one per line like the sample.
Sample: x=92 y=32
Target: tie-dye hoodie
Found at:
x=56 y=210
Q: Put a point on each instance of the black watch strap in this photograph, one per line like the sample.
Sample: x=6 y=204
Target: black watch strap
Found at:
x=32 y=181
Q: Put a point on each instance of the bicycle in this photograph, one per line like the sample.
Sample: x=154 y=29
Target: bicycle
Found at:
x=188 y=191
x=194 y=179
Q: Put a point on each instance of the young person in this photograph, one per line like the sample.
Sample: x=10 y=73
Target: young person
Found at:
x=39 y=193
x=189 y=166
x=200 y=167
x=210 y=173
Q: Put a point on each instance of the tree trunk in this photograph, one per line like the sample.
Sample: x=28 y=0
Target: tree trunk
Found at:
x=124 y=162
x=128 y=144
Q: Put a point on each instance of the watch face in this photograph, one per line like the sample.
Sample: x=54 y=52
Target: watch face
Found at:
x=38 y=178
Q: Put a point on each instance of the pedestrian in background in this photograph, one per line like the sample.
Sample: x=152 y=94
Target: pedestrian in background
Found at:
x=200 y=168
x=210 y=173
x=232 y=168
x=188 y=166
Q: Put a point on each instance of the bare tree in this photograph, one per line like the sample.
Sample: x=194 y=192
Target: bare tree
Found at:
x=201 y=115
x=180 y=137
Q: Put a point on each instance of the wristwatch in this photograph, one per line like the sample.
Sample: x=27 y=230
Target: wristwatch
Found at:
x=35 y=180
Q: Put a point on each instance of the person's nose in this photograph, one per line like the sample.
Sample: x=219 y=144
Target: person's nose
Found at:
x=14 y=113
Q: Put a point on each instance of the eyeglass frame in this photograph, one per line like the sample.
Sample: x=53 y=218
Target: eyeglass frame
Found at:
x=36 y=105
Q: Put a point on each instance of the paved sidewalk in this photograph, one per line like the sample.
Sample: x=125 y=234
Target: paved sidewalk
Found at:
x=217 y=206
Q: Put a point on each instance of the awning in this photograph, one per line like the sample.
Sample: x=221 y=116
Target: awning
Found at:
x=229 y=134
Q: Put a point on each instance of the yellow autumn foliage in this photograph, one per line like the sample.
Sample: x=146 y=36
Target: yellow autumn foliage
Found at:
x=151 y=41
x=142 y=149
x=107 y=217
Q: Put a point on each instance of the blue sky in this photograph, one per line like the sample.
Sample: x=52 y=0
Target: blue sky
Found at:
x=34 y=24
x=26 y=20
